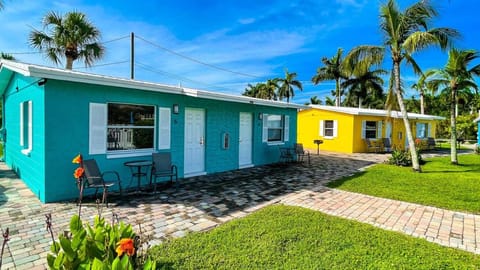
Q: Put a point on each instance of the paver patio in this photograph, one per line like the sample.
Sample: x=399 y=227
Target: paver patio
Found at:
x=202 y=203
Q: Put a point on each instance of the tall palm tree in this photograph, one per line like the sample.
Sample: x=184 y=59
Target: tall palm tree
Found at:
x=455 y=76
x=404 y=34
x=332 y=70
x=287 y=84
x=71 y=36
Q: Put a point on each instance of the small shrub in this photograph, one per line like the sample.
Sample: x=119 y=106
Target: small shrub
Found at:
x=103 y=246
x=403 y=158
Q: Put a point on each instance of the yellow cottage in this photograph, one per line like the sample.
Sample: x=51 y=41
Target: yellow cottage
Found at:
x=344 y=129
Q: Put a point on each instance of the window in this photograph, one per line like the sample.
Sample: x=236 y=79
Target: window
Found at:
x=275 y=128
x=328 y=128
x=130 y=127
x=370 y=129
x=422 y=130
x=26 y=131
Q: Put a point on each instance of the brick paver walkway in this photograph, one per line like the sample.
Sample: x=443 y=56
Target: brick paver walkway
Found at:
x=202 y=203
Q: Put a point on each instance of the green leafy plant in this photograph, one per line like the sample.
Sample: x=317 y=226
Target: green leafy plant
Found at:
x=403 y=158
x=103 y=246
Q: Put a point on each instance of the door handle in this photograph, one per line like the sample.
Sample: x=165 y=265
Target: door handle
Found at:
x=202 y=140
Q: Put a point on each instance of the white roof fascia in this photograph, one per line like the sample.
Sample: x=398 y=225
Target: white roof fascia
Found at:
x=81 y=77
x=373 y=112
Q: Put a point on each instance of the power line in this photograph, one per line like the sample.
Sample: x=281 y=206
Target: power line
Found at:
x=195 y=60
x=116 y=39
x=106 y=64
x=178 y=77
x=41 y=51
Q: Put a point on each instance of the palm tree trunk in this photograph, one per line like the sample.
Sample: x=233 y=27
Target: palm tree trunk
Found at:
x=337 y=91
x=453 y=127
x=422 y=104
x=406 y=122
x=69 y=64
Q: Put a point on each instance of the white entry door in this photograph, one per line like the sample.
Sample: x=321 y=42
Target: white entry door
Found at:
x=194 y=159
x=245 y=141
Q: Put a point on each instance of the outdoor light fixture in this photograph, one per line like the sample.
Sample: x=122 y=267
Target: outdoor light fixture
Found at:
x=175 y=108
x=260 y=116
x=42 y=82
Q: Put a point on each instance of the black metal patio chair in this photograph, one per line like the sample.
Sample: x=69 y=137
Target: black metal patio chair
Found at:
x=93 y=178
x=301 y=153
x=162 y=167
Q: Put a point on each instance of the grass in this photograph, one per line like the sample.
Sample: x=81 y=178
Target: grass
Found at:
x=455 y=187
x=285 y=237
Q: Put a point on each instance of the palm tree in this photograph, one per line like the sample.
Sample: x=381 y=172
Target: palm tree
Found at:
x=333 y=70
x=315 y=101
x=364 y=85
x=455 y=76
x=287 y=84
x=262 y=90
x=420 y=87
x=406 y=33
x=6 y=56
x=329 y=101
x=271 y=88
x=71 y=36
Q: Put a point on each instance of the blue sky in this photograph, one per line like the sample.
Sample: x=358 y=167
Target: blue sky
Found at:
x=256 y=38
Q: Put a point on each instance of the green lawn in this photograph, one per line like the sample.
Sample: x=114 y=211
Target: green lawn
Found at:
x=284 y=237
x=440 y=184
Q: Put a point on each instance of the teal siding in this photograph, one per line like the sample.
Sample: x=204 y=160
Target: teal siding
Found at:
x=29 y=168
x=65 y=133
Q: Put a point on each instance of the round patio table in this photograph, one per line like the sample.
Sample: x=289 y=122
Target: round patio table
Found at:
x=139 y=169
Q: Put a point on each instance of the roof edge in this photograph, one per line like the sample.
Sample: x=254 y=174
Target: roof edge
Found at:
x=31 y=70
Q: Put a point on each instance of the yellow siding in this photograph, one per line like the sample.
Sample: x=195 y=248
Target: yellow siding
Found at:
x=349 y=130
x=308 y=129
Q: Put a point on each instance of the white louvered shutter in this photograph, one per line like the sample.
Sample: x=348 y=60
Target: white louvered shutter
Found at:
x=379 y=129
x=364 y=127
x=335 y=128
x=97 y=143
x=22 y=133
x=286 y=130
x=265 y=128
x=164 y=123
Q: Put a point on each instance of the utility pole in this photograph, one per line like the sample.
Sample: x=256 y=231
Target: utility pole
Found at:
x=132 y=56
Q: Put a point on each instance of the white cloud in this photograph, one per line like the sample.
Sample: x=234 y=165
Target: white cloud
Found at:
x=246 y=20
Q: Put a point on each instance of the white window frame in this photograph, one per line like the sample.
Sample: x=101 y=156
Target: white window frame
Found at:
x=285 y=127
x=26 y=140
x=98 y=127
x=323 y=128
x=378 y=129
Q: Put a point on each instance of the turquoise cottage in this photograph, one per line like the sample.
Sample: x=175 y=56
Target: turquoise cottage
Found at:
x=50 y=115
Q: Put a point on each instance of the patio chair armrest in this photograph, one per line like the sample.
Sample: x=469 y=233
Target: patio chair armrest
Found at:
x=112 y=172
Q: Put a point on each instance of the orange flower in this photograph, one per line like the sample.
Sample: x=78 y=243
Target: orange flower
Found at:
x=78 y=172
x=77 y=159
x=125 y=246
